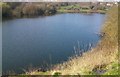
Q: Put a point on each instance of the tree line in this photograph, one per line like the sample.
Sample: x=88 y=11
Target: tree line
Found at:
x=27 y=9
x=30 y=9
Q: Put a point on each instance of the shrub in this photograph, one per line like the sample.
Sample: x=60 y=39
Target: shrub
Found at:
x=6 y=10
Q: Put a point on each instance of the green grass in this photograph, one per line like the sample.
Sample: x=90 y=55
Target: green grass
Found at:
x=112 y=69
x=64 y=9
x=70 y=6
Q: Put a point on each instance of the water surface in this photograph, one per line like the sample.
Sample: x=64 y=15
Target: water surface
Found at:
x=47 y=40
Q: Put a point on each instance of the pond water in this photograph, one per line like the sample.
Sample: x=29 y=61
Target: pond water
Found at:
x=48 y=40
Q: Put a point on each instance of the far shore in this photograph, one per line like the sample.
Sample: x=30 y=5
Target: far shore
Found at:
x=82 y=11
x=58 y=12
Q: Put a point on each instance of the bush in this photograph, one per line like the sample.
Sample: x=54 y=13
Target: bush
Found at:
x=32 y=10
x=27 y=9
x=6 y=10
x=17 y=12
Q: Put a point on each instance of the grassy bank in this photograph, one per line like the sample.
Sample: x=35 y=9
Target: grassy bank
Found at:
x=81 y=11
x=102 y=60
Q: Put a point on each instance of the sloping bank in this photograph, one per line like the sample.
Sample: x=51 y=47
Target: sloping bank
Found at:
x=100 y=60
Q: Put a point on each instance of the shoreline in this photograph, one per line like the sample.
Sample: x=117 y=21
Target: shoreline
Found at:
x=85 y=11
x=9 y=18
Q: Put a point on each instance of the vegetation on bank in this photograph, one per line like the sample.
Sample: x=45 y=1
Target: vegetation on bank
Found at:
x=27 y=9
x=24 y=9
